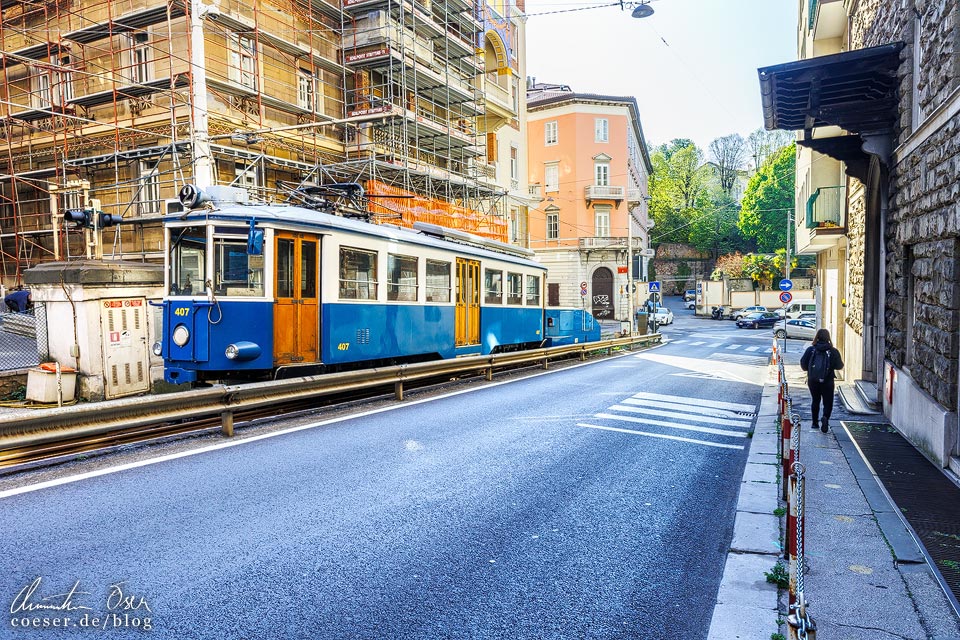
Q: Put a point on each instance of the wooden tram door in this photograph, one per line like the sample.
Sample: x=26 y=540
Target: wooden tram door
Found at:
x=296 y=319
x=468 y=302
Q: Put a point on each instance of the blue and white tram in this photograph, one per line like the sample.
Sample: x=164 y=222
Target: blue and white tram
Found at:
x=258 y=291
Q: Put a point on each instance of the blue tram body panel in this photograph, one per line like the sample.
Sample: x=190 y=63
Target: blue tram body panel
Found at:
x=570 y=326
x=238 y=321
x=352 y=332
x=504 y=326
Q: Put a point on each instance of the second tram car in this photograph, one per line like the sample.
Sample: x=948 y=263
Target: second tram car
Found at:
x=265 y=290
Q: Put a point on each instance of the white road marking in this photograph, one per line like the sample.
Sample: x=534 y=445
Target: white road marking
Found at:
x=698 y=343
x=687 y=416
x=685 y=408
x=672 y=425
x=737 y=358
x=678 y=341
x=715 y=344
x=751 y=348
x=661 y=435
x=734 y=346
x=697 y=402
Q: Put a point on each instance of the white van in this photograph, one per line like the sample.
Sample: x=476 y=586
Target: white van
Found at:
x=796 y=307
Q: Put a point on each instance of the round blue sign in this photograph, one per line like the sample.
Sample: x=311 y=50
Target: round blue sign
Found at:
x=786 y=285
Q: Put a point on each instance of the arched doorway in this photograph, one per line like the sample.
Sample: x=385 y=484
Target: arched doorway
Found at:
x=602 y=294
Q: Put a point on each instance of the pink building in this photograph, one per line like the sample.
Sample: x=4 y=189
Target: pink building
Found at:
x=588 y=156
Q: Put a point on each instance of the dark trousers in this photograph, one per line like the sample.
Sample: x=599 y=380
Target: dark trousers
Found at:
x=821 y=391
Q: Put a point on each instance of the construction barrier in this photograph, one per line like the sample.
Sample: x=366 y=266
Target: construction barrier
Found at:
x=800 y=625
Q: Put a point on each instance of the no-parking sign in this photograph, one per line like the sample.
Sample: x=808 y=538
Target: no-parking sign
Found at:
x=786 y=297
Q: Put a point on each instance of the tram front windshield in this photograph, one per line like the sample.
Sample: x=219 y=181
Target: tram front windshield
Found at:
x=188 y=251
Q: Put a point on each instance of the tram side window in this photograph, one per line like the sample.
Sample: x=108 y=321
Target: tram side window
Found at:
x=533 y=291
x=514 y=288
x=492 y=287
x=236 y=273
x=401 y=278
x=358 y=274
x=188 y=250
x=438 y=281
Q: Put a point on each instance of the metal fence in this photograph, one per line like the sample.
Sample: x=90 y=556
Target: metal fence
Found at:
x=23 y=338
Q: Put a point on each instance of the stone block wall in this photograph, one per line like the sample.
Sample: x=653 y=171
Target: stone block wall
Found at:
x=923 y=221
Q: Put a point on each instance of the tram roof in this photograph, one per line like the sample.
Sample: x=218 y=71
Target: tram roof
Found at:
x=292 y=215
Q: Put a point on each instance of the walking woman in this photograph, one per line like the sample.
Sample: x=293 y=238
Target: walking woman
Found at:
x=820 y=361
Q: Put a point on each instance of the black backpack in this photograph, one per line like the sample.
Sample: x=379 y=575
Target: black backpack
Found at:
x=819 y=365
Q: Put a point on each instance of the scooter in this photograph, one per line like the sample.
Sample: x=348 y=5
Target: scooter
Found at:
x=717 y=313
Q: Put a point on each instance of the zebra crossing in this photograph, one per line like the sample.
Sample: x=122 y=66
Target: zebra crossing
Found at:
x=710 y=423
x=726 y=347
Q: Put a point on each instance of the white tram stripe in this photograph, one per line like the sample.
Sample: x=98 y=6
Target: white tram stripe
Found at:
x=697 y=402
x=706 y=412
x=672 y=425
x=664 y=436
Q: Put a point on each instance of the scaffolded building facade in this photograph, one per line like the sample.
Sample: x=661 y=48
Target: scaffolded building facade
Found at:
x=116 y=104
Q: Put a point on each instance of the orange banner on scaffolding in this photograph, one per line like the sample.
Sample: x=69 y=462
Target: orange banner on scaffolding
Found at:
x=408 y=207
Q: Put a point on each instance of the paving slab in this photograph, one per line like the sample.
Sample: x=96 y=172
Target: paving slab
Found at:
x=756 y=533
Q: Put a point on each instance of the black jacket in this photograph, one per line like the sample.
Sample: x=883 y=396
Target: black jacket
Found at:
x=835 y=361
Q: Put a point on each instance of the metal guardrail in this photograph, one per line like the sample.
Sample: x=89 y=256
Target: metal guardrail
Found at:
x=51 y=425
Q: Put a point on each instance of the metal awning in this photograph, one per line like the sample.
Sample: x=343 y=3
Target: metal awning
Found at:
x=855 y=90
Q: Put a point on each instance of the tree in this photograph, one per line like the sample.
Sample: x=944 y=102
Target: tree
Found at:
x=761 y=144
x=728 y=155
x=715 y=229
x=730 y=265
x=678 y=189
x=768 y=202
x=760 y=267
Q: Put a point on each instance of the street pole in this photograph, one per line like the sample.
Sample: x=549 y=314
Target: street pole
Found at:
x=630 y=269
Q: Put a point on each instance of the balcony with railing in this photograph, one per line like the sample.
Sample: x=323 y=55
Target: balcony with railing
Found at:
x=634 y=196
x=603 y=242
x=604 y=192
x=827 y=19
x=825 y=219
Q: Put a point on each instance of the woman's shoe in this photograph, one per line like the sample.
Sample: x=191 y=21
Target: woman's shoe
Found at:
x=824 y=425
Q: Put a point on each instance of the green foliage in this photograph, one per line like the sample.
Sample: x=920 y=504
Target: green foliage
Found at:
x=779 y=512
x=760 y=268
x=678 y=189
x=778 y=575
x=768 y=201
x=777 y=636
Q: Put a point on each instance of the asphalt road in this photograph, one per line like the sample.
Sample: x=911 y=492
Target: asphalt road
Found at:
x=591 y=502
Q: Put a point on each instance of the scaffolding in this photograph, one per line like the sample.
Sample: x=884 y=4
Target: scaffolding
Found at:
x=387 y=93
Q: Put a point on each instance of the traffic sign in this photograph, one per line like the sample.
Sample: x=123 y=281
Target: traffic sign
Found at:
x=654 y=286
x=786 y=285
x=786 y=297
x=583 y=285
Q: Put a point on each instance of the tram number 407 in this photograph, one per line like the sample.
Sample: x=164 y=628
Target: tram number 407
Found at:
x=183 y=311
x=343 y=346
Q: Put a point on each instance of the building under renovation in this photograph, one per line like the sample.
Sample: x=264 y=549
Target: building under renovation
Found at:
x=114 y=105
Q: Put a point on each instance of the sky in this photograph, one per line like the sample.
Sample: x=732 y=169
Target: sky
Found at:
x=692 y=65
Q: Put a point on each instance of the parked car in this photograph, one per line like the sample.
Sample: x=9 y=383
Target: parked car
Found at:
x=758 y=320
x=798 y=328
x=663 y=315
x=690 y=304
x=736 y=314
x=689 y=294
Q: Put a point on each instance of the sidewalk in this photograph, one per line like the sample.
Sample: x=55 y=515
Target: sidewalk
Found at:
x=866 y=578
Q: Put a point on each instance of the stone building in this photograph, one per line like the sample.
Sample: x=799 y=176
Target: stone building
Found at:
x=876 y=100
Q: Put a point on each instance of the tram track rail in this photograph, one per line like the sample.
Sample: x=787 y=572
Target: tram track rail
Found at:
x=53 y=434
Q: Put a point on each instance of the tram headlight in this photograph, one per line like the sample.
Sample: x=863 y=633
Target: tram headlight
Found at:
x=181 y=335
x=158 y=348
x=242 y=351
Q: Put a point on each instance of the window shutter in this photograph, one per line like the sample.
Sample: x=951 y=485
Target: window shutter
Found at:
x=491 y=147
